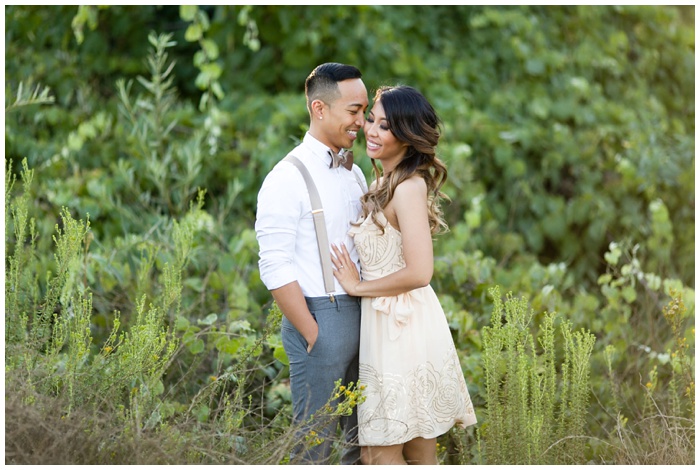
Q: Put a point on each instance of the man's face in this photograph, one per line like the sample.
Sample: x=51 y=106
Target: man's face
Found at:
x=344 y=117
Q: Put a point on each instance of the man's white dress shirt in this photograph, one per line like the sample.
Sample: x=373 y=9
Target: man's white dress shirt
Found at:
x=284 y=225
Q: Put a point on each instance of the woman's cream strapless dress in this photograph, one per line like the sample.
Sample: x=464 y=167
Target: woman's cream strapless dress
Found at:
x=408 y=363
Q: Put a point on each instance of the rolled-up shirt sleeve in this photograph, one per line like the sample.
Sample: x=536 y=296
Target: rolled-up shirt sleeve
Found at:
x=277 y=220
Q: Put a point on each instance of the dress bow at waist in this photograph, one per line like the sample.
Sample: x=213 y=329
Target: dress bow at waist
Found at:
x=399 y=309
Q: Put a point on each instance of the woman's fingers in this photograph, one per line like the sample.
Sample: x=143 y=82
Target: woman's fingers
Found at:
x=340 y=257
x=337 y=258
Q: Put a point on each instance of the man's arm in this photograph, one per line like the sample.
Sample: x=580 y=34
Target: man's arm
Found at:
x=277 y=218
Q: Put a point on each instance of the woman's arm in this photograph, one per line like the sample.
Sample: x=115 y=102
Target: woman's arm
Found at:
x=410 y=205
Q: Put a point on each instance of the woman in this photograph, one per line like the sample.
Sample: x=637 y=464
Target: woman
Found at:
x=415 y=390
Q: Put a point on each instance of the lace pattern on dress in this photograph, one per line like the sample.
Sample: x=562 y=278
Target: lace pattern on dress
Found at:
x=431 y=399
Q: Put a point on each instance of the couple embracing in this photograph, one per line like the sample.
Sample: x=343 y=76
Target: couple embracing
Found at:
x=350 y=269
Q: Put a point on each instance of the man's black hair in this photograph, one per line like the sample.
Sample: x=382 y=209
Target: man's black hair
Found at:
x=322 y=82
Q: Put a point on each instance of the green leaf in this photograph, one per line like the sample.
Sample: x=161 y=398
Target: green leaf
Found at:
x=199 y=59
x=281 y=355
x=213 y=70
x=629 y=293
x=239 y=326
x=626 y=270
x=210 y=48
x=193 y=33
x=181 y=323
x=204 y=100
x=240 y=295
x=196 y=346
x=202 y=413
x=653 y=281
x=158 y=388
x=209 y=320
x=228 y=345
x=613 y=256
x=217 y=90
x=202 y=81
x=534 y=67
x=195 y=283
x=203 y=20
x=188 y=12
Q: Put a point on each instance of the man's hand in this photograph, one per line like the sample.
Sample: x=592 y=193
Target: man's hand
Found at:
x=291 y=302
x=311 y=343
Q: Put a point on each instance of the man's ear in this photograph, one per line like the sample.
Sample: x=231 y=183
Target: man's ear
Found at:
x=317 y=109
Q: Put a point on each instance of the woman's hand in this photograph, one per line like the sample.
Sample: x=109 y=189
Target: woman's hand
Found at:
x=345 y=270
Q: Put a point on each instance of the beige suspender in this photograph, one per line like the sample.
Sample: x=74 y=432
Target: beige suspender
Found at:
x=319 y=221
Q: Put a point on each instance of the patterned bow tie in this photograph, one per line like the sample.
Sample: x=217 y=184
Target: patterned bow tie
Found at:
x=339 y=158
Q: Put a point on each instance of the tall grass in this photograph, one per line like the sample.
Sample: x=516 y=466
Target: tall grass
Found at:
x=20 y=285
x=536 y=407
x=663 y=431
x=70 y=400
x=73 y=399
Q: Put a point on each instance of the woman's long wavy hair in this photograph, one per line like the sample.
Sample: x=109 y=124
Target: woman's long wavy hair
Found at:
x=413 y=121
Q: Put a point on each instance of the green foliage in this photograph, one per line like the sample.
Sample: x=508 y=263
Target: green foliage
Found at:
x=126 y=374
x=666 y=431
x=150 y=123
x=206 y=59
x=570 y=143
x=533 y=413
x=38 y=96
x=20 y=288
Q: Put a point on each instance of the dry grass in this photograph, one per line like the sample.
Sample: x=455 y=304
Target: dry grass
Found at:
x=39 y=432
x=656 y=440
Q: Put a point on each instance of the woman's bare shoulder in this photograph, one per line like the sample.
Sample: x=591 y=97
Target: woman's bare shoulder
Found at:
x=413 y=185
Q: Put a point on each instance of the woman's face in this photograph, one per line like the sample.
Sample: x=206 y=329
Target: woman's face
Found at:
x=382 y=145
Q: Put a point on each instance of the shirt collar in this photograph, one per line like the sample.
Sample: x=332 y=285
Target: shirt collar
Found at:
x=318 y=149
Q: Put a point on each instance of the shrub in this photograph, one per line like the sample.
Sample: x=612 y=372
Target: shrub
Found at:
x=536 y=408
x=662 y=431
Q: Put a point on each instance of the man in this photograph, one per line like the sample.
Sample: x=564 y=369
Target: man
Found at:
x=320 y=330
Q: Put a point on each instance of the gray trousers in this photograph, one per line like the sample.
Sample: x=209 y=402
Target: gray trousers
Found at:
x=313 y=375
